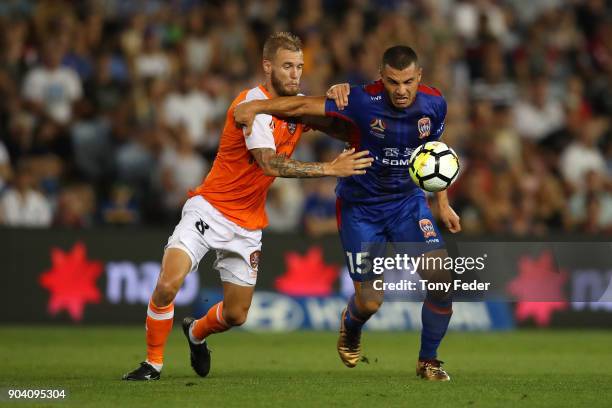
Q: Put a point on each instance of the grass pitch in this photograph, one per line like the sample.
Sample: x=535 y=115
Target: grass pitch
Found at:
x=522 y=369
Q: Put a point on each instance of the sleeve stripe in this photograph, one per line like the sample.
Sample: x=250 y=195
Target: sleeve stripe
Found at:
x=355 y=133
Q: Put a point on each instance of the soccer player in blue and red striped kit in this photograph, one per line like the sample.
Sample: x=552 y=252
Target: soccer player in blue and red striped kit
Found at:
x=389 y=118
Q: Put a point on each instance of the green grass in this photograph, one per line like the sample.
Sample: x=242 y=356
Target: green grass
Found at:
x=523 y=369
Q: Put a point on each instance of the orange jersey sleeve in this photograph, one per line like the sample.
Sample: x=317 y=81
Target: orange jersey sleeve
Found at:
x=236 y=185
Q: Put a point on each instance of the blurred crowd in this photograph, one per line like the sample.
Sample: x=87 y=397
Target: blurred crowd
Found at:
x=111 y=110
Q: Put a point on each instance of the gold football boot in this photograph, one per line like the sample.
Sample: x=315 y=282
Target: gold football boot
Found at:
x=349 y=345
x=431 y=370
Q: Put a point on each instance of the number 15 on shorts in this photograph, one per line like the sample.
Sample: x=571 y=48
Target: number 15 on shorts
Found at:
x=359 y=263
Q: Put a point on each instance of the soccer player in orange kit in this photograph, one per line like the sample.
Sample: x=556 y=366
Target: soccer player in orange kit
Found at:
x=227 y=212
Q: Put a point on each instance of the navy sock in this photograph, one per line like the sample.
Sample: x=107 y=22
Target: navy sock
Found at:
x=353 y=319
x=435 y=316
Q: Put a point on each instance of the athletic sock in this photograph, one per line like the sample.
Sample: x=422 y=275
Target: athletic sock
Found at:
x=158 y=327
x=353 y=318
x=211 y=322
x=435 y=316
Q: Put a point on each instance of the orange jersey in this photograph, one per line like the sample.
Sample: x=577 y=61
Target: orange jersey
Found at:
x=236 y=185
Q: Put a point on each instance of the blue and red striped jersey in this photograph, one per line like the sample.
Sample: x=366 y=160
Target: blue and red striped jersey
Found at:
x=391 y=135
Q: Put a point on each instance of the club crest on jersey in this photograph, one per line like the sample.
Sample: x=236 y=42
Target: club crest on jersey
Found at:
x=427 y=227
x=378 y=126
x=424 y=127
x=291 y=126
x=254 y=260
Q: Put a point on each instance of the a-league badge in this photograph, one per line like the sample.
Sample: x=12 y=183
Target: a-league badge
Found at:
x=377 y=125
x=424 y=127
x=427 y=228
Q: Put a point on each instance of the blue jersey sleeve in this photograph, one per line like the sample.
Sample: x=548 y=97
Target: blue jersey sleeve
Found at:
x=349 y=112
x=439 y=120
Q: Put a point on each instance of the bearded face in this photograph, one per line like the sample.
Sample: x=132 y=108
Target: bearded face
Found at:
x=286 y=71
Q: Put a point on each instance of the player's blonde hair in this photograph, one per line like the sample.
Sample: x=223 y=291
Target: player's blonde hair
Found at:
x=281 y=40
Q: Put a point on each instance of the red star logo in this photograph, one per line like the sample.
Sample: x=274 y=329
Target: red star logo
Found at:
x=71 y=281
x=307 y=275
x=538 y=279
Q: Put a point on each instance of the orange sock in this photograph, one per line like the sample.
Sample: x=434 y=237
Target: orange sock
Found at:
x=159 y=325
x=212 y=322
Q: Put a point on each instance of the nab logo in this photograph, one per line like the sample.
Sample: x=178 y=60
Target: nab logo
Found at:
x=128 y=282
x=201 y=226
x=71 y=281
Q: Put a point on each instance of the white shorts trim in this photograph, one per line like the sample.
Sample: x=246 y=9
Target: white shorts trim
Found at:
x=182 y=247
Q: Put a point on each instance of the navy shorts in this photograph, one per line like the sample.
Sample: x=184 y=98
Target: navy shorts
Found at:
x=367 y=228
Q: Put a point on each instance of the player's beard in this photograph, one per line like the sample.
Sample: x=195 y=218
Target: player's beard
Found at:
x=280 y=90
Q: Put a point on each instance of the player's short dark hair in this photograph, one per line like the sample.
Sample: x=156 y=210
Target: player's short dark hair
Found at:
x=399 y=57
x=281 y=40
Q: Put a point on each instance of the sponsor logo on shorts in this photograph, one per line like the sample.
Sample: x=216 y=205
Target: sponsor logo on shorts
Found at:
x=427 y=227
x=201 y=226
x=424 y=127
x=255 y=260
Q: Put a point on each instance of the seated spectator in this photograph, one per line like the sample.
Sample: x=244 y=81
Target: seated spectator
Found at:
x=582 y=155
x=52 y=89
x=75 y=206
x=5 y=167
x=191 y=108
x=284 y=205
x=22 y=205
x=182 y=169
x=121 y=208
x=153 y=62
x=591 y=207
x=108 y=86
x=538 y=115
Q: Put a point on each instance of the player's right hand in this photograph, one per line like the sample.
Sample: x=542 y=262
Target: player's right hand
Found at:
x=244 y=116
x=339 y=93
x=349 y=163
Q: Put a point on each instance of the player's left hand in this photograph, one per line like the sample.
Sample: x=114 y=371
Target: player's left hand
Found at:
x=244 y=116
x=450 y=218
x=339 y=93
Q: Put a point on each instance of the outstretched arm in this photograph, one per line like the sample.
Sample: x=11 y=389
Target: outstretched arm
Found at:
x=292 y=106
x=348 y=163
x=334 y=127
x=447 y=214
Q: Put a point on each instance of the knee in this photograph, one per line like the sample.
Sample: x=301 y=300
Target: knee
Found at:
x=164 y=293
x=440 y=295
x=370 y=306
x=235 y=316
x=440 y=277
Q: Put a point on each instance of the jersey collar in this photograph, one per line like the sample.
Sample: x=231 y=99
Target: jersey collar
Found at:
x=265 y=91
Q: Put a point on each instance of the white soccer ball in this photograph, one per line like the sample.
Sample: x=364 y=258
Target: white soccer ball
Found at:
x=433 y=166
